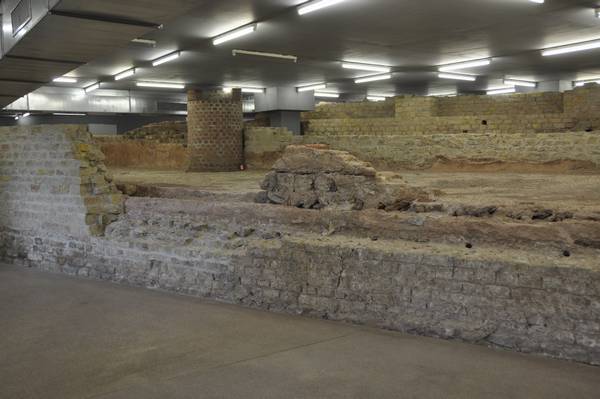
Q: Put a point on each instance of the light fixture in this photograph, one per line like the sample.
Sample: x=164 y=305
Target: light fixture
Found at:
x=317 y=86
x=455 y=76
x=161 y=85
x=581 y=83
x=16 y=117
x=26 y=114
x=255 y=90
x=67 y=114
x=125 y=74
x=597 y=12
x=92 y=88
x=326 y=95
x=366 y=67
x=64 y=79
x=572 y=48
x=443 y=94
x=311 y=6
x=516 y=82
x=166 y=58
x=464 y=65
x=537 y=1
x=268 y=55
x=234 y=34
x=146 y=42
x=506 y=90
x=252 y=90
x=374 y=78
x=376 y=98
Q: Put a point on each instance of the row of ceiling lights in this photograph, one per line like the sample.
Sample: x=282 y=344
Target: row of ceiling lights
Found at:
x=381 y=72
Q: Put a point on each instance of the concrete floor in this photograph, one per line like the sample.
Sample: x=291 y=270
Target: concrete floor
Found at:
x=68 y=338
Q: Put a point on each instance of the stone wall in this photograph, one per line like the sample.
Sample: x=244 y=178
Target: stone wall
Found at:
x=53 y=179
x=519 y=104
x=423 y=151
x=167 y=132
x=123 y=152
x=264 y=145
x=383 y=109
x=289 y=260
x=215 y=130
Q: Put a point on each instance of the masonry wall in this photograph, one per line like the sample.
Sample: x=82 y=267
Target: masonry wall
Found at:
x=244 y=255
x=123 y=152
x=53 y=179
x=215 y=130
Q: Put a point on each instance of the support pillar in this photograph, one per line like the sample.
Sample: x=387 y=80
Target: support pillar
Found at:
x=215 y=130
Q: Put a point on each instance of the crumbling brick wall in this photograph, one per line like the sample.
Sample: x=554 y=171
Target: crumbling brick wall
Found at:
x=53 y=178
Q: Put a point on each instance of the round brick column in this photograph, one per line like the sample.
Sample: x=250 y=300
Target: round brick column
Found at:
x=215 y=130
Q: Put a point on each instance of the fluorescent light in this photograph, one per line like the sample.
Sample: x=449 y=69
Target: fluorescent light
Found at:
x=159 y=85
x=581 y=83
x=455 y=76
x=145 y=41
x=366 y=67
x=252 y=90
x=269 y=55
x=464 y=65
x=234 y=34
x=125 y=74
x=317 y=86
x=65 y=79
x=16 y=117
x=443 y=94
x=92 y=88
x=376 y=98
x=67 y=114
x=537 y=1
x=583 y=46
x=316 y=5
x=25 y=115
x=515 y=82
x=501 y=91
x=375 y=78
x=598 y=13
x=326 y=95
x=166 y=58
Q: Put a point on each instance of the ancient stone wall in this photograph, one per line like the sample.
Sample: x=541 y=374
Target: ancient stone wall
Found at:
x=292 y=260
x=581 y=150
x=264 y=145
x=383 y=109
x=215 y=130
x=167 y=132
x=53 y=180
x=527 y=104
x=123 y=152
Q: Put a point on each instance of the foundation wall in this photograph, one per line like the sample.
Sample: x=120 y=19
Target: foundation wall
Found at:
x=123 y=152
x=243 y=255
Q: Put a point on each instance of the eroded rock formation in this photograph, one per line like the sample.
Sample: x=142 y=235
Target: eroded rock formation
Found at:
x=315 y=177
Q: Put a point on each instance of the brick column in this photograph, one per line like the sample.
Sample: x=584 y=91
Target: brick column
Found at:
x=215 y=130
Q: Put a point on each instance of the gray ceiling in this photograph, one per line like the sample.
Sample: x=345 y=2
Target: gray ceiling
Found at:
x=412 y=36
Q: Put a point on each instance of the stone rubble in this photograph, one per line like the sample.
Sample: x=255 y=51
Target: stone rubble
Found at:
x=314 y=177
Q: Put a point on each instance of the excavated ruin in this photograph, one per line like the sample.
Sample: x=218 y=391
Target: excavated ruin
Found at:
x=315 y=177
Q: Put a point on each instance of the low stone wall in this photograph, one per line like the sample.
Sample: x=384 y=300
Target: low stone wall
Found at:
x=264 y=145
x=383 y=109
x=122 y=152
x=423 y=151
x=281 y=260
x=173 y=132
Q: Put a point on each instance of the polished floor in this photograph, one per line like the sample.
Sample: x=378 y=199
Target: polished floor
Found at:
x=68 y=338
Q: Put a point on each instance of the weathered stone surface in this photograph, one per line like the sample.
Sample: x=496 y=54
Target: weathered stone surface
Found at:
x=315 y=177
x=410 y=272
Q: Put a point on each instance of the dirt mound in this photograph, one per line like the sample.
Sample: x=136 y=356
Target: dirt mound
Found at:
x=314 y=178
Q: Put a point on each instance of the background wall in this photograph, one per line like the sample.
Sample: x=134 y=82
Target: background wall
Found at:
x=122 y=123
